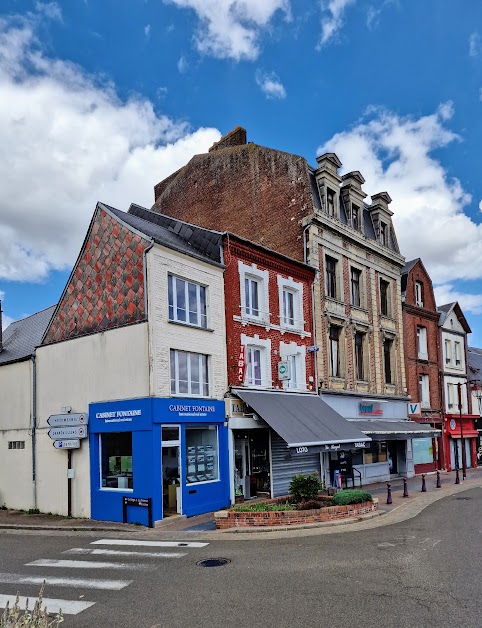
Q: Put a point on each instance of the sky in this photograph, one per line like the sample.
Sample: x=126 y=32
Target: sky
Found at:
x=102 y=99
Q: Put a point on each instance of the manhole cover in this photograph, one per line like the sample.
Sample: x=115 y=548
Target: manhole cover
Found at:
x=213 y=562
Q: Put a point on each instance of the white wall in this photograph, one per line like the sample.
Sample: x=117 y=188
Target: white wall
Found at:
x=165 y=335
x=100 y=367
x=15 y=395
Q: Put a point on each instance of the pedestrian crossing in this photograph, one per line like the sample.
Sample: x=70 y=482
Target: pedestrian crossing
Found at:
x=133 y=555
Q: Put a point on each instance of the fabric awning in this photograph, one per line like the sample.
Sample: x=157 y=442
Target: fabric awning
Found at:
x=304 y=421
x=394 y=430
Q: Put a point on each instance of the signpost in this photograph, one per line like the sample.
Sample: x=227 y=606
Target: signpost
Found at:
x=73 y=443
x=68 y=420
x=68 y=432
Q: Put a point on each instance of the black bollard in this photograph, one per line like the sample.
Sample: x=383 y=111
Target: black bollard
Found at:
x=424 y=486
x=389 y=493
x=405 y=488
x=439 y=485
x=457 y=479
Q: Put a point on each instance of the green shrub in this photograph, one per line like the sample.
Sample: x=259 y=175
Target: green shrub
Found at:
x=33 y=511
x=15 y=617
x=351 y=496
x=262 y=507
x=305 y=487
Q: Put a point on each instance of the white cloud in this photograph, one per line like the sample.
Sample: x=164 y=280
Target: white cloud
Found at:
x=270 y=85
x=147 y=30
x=394 y=154
x=67 y=141
x=182 y=65
x=446 y=293
x=50 y=10
x=332 y=20
x=474 y=45
x=232 y=28
x=6 y=320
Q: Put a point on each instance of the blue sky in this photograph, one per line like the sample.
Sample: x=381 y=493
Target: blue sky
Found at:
x=101 y=99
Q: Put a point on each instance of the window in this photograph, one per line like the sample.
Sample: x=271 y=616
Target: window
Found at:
x=189 y=374
x=384 y=297
x=330 y=202
x=295 y=355
x=116 y=460
x=290 y=295
x=331 y=277
x=422 y=343
x=293 y=370
x=387 y=360
x=383 y=234
x=187 y=302
x=288 y=308
x=450 y=396
x=360 y=373
x=355 y=217
x=419 y=293
x=253 y=284
x=334 y=350
x=355 y=287
x=201 y=454
x=457 y=354
x=16 y=444
x=251 y=291
x=253 y=366
x=423 y=382
x=448 y=352
x=422 y=450
x=376 y=452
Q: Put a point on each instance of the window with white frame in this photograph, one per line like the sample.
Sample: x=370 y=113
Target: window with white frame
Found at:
x=419 y=293
x=457 y=353
x=296 y=357
x=383 y=234
x=290 y=303
x=330 y=202
x=448 y=352
x=187 y=302
x=450 y=396
x=355 y=217
x=424 y=386
x=258 y=361
x=254 y=292
x=422 y=343
x=335 y=350
x=189 y=373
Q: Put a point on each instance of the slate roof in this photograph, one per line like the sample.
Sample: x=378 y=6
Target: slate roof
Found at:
x=21 y=337
x=475 y=364
x=174 y=234
x=408 y=266
x=444 y=310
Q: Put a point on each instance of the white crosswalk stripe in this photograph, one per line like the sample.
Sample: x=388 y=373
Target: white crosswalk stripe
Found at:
x=84 y=564
x=149 y=543
x=68 y=607
x=106 y=552
x=87 y=583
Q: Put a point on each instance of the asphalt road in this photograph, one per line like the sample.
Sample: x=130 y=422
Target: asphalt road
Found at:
x=421 y=573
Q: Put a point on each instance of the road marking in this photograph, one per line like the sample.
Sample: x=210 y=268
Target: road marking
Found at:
x=106 y=552
x=84 y=564
x=108 y=585
x=387 y=545
x=424 y=541
x=436 y=542
x=149 y=543
x=68 y=607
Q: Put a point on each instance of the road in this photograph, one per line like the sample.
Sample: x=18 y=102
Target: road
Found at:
x=421 y=573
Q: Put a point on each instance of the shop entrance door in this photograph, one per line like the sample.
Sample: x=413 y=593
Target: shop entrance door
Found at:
x=456 y=453
x=171 y=471
x=392 y=452
x=242 y=468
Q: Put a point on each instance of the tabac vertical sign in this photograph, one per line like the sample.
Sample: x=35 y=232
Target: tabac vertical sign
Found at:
x=241 y=364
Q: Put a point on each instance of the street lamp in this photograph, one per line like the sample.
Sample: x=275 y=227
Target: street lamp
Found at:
x=477 y=390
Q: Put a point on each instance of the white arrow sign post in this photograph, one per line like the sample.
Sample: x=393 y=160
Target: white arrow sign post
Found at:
x=68 y=432
x=73 y=443
x=68 y=420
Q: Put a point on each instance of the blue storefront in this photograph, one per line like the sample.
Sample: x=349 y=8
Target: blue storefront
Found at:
x=171 y=451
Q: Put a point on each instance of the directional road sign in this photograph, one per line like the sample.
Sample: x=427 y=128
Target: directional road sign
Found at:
x=68 y=432
x=68 y=420
x=73 y=443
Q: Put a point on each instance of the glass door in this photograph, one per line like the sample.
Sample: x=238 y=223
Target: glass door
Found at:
x=171 y=470
x=242 y=471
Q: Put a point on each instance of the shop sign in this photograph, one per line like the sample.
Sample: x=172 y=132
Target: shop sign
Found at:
x=237 y=407
x=192 y=409
x=241 y=364
x=415 y=409
x=453 y=424
x=73 y=443
x=68 y=420
x=118 y=416
x=369 y=408
x=305 y=449
x=68 y=432
x=283 y=371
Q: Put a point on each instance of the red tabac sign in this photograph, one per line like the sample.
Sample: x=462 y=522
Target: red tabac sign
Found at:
x=241 y=364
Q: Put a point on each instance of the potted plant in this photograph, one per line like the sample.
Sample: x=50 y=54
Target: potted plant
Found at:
x=238 y=496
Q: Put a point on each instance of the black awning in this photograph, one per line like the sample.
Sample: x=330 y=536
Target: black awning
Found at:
x=379 y=429
x=304 y=421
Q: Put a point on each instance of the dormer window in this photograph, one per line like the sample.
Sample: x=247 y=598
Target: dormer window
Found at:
x=419 y=293
x=383 y=234
x=355 y=217
x=330 y=203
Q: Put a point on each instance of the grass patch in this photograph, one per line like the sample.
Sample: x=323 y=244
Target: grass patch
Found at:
x=263 y=507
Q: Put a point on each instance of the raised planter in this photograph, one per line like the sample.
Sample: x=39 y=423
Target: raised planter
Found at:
x=231 y=519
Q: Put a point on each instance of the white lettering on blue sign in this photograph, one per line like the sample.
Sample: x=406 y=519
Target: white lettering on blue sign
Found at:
x=190 y=410
x=118 y=414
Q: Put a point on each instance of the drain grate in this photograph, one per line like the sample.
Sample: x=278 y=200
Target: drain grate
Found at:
x=213 y=562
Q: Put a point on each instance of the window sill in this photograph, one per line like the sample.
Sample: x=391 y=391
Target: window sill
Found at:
x=190 y=396
x=190 y=325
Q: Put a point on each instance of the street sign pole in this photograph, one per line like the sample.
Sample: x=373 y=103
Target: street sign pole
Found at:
x=69 y=483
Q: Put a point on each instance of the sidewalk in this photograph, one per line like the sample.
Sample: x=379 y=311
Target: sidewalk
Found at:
x=401 y=509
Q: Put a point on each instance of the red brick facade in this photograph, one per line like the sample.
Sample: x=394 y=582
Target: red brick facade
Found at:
x=106 y=287
x=235 y=251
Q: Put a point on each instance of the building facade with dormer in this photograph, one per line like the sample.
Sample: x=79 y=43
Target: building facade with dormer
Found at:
x=319 y=217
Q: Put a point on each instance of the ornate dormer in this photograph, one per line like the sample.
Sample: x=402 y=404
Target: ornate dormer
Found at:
x=382 y=220
x=353 y=197
x=328 y=181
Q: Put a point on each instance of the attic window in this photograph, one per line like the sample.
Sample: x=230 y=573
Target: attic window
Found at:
x=355 y=217
x=330 y=202
x=383 y=234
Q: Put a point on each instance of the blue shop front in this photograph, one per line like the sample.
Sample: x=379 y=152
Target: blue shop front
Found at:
x=170 y=454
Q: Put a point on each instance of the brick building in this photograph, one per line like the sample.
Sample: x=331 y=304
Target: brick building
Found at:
x=314 y=215
x=422 y=361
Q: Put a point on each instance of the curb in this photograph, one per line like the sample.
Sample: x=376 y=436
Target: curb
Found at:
x=20 y=526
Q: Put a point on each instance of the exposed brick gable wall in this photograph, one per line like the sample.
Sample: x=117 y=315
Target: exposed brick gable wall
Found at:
x=106 y=288
x=258 y=193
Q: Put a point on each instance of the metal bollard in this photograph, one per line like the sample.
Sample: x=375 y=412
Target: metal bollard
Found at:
x=389 y=493
x=405 y=488
x=439 y=485
x=457 y=479
x=424 y=486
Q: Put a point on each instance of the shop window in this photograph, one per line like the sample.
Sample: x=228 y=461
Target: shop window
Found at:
x=189 y=374
x=331 y=277
x=359 y=357
x=355 y=287
x=116 y=460
x=16 y=444
x=170 y=434
x=387 y=360
x=422 y=343
x=422 y=450
x=384 y=297
x=377 y=452
x=201 y=454
x=187 y=302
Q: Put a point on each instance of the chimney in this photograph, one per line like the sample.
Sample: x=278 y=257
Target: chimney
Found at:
x=236 y=137
x=1 y=332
